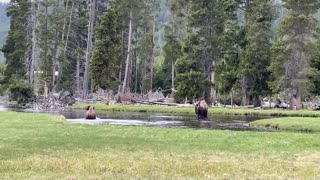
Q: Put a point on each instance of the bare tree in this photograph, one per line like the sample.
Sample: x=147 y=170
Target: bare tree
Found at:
x=59 y=51
x=92 y=8
x=34 y=67
x=153 y=45
x=125 y=81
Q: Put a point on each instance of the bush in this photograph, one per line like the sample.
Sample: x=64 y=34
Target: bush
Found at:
x=191 y=85
x=21 y=92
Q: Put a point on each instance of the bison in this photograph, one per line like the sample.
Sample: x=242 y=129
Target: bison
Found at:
x=201 y=109
x=90 y=114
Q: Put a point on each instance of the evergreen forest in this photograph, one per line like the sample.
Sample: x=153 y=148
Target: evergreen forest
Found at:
x=221 y=50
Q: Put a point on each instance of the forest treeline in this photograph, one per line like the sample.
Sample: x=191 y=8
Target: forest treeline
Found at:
x=216 y=49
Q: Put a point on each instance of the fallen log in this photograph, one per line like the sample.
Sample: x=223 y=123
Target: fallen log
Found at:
x=156 y=103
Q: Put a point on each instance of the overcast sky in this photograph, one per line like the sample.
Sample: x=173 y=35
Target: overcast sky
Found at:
x=4 y=0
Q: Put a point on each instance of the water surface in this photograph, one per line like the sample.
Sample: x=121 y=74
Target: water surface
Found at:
x=167 y=120
x=162 y=120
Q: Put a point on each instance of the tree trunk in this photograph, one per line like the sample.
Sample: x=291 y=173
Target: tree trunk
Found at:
x=299 y=103
x=297 y=99
x=34 y=70
x=231 y=98
x=125 y=81
x=78 y=76
x=121 y=61
x=172 y=74
x=153 y=45
x=89 y=48
x=69 y=28
x=135 y=73
x=245 y=99
x=213 y=88
x=58 y=54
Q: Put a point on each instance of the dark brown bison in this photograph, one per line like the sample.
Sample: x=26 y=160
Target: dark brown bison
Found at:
x=90 y=114
x=201 y=109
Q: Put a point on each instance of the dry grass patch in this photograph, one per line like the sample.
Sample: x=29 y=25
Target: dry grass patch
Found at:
x=157 y=165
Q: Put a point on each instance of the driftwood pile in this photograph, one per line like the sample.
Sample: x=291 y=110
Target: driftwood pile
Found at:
x=152 y=98
x=98 y=96
x=54 y=100
x=108 y=97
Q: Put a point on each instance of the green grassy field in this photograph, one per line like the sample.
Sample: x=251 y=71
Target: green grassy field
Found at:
x=308 y=125
x=190 y=110
x=38 y=146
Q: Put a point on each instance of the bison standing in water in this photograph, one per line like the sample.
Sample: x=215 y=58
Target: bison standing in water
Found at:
x=90 y=114
x=201 y=109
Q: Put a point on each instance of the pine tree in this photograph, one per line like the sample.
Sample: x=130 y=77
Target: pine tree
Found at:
x=256 y=56
x=191 y=82
x=314 y=73
x=294 y=49
x=172 y=51
x=228 y=71
x=202 y=48
x=16 y=45
x=15 y=76
x=106 y=56
x=50 y=42
x=75 y=47
x=138 y=34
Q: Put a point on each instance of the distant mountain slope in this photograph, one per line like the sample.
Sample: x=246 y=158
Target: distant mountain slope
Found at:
x=4 y=26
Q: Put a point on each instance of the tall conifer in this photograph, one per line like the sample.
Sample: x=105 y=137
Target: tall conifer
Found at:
x=294 y=49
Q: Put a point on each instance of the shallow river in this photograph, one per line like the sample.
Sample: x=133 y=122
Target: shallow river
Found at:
x=154 y=119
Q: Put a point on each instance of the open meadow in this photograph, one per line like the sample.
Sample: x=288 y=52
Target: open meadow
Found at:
x=39 y=146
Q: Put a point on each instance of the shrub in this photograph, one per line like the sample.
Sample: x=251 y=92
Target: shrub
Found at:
x=20 y=91
x=191 y=85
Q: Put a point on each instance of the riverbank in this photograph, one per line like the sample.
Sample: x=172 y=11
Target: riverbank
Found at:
x=190 y=110
x=39 y=146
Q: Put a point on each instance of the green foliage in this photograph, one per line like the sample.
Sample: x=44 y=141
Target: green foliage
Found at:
x=2 y=86
x=107 y=53
x=76 y=44
x=305 y=7
x=256 y=55
x=314 y=72
x=16 y=45
x=172 y=48
x=192 y=85
x=203 y=47
x=190 y=80
x=295 y=48
x=163 y=78
x=278 y=55
x=203 y=38
x=51 y=19
x=181 y=11
x=145 y=61
x=172 y=52
x=233 y=40
x=20 y=91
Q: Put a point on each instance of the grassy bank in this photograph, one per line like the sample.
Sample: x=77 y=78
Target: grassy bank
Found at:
x=37 y=146
x=296 y=124
x=212 y=110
